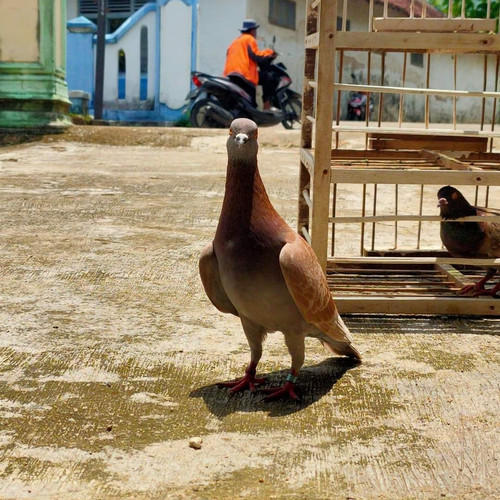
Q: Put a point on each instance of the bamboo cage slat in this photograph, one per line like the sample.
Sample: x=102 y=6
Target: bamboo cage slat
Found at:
x=431 y=177
x=385 y=89
x=409 y=305
x=416 y=260
x=434 y=25
x=454 y=274
x=388 y=129
x=442 y=43
x=407 y=218
x=350 y=127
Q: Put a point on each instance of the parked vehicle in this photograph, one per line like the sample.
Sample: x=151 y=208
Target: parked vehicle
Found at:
x=356 y=107
x=216 y=101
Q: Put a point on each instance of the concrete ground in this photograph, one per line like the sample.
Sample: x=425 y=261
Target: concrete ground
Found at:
x=110 y=351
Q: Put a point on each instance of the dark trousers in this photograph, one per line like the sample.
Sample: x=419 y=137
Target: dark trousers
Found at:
x=266 y=79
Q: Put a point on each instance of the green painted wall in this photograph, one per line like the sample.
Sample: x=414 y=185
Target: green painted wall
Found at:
x=33 y=93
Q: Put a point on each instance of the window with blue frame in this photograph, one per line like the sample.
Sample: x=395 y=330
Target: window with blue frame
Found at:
x=144 y=64
x=122 y=73
x=117 y=12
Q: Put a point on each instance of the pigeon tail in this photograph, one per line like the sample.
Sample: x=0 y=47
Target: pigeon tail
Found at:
x=342 y=348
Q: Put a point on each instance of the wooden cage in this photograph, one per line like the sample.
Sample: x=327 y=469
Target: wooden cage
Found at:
x=367 y=189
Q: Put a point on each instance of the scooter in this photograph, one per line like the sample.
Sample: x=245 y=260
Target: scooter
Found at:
x=216 y=101
x=356 y=107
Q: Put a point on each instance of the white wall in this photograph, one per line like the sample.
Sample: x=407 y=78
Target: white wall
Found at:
x=470 y=71
x=219 y=22
x=130 y=43
x=288 y=43
x=71 y=9
x=175 y=53
x=469 y=77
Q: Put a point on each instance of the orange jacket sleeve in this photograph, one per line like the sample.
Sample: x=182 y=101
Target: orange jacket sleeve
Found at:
x=255 y=49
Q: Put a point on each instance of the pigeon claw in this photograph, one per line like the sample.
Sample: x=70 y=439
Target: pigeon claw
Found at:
x=288 y=390
x=478 y=290
x=492 y=292
x=249 y=381
x=471 y=290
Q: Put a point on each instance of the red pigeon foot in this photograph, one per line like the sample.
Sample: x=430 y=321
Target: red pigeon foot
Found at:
x=277 y=392
x=287 y=390
x=492 y=292
x=472 y=290
x=476 y=289
x=247 y=382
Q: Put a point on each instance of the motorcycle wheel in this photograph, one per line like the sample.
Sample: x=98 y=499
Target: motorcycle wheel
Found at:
x=198 y=117
x=292 y=110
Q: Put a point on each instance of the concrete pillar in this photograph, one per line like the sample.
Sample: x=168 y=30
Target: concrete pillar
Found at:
x=80 y=70
x=33 y=90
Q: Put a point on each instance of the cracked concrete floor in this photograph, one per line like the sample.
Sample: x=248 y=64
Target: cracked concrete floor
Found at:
x=110 y=351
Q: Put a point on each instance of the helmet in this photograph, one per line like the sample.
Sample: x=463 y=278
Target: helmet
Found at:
x=249 y=24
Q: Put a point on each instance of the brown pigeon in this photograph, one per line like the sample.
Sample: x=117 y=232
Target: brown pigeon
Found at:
x=261 y=270
x=480 y=240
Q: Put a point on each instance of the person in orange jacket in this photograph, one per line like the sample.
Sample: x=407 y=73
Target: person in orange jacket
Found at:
x=242 y=60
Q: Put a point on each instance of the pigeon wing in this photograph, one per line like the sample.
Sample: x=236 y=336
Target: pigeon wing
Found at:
x=210 y=277
x=307 y=284
x=491 y=245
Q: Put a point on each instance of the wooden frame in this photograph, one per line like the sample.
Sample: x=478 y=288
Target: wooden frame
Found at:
x=408 y=160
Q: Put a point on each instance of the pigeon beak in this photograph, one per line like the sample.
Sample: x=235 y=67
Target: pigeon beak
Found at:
x=241 y=139
x=442 y=202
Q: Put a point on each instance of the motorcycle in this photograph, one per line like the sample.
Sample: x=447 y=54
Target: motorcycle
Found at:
x=216 y=101
x=356 y=107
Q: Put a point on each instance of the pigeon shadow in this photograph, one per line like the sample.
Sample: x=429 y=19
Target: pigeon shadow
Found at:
x=314 y=382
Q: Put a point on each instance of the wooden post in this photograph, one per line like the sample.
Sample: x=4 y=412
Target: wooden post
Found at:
x=327 y=30
x=307 y=110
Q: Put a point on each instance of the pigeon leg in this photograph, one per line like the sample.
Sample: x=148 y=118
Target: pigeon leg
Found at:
x=478 y=288
x=255 y=335
x=295 y=344
x=492 y=292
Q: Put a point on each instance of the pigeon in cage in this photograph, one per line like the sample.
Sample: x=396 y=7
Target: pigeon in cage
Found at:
x=479 y=240
x=261 y=270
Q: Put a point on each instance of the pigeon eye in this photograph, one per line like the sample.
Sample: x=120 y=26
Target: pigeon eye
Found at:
x=230 y=132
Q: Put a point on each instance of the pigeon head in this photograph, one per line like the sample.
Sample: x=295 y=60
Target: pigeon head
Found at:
x=452 y=204
x=242 y=141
